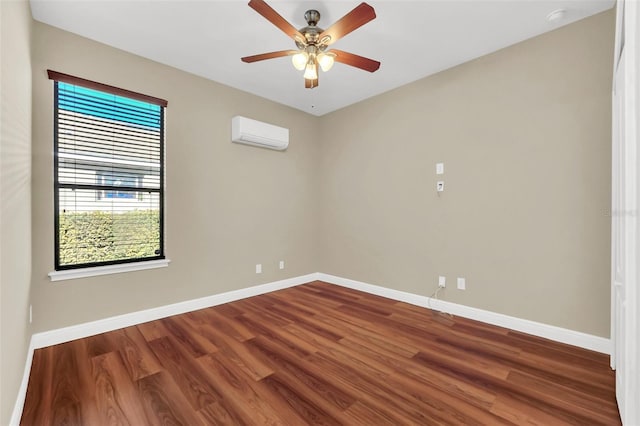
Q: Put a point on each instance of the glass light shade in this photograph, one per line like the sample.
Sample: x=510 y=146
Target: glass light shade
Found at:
x=326 y=61
x=311 y=72
x=300 y=60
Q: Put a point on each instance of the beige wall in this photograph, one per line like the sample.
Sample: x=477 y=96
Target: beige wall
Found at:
x=229 y=206
x=15 y=198
x=525 y=137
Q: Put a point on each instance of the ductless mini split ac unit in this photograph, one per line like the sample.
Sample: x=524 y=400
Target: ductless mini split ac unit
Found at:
x=252 y=132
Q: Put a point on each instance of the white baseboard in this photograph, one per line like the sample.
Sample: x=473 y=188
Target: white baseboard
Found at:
x=558 y=334
x=22 y=392
x=66 y=334
x=53 y=337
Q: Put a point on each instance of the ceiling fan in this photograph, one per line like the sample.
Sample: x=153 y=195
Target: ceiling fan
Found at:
x=312 y=41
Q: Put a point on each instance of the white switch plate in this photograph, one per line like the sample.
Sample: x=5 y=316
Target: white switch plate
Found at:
x=282 y=264
x=442 y=281
x=439 y=168
x=440 y=186
x=259 y=268
x=462 y=284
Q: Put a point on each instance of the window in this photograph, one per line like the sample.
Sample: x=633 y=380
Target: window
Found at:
x=125 y=179
x=108 y=174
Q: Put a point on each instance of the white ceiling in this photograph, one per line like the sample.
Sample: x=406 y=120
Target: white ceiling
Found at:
x=412 y=39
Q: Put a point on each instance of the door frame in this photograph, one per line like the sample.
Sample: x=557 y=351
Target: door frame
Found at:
x=625 y=248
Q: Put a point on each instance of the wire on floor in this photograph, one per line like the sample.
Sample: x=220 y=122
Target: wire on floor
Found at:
x=434 y=295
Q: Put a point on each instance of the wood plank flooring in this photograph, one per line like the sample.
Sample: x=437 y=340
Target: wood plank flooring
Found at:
x=318 y=354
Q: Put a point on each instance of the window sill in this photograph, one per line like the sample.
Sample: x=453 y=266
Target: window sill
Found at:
x=71 y=274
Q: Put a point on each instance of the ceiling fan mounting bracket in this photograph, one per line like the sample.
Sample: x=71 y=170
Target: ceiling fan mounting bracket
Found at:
x=312 y=17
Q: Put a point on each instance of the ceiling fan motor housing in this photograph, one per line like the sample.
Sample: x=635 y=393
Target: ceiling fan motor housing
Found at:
x=311 y=32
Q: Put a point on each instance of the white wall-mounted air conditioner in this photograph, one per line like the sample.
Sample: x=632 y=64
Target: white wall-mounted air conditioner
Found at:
x=252 y=132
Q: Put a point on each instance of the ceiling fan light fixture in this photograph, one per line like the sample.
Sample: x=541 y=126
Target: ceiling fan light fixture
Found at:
x=300 y=60
x=326 y=61
x=311 y=71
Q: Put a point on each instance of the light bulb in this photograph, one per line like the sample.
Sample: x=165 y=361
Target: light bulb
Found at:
x=311 y=72
x=326 y=61
x=300 y=60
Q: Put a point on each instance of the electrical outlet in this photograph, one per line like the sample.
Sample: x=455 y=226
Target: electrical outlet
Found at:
x=439 y=168
x=259 y=268
x=440 y=186
x=442 y=281
x=282 y=264
x=462 y=284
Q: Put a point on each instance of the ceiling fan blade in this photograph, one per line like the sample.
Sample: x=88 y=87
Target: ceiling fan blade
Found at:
x=310 y=84
x=270 y=55
x=274 y=17
x=356 y=60
x=353 y=20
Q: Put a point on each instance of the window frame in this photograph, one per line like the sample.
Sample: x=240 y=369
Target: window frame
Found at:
x=109 y=266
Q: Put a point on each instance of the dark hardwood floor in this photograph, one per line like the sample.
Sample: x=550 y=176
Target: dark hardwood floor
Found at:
x=318 y=354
